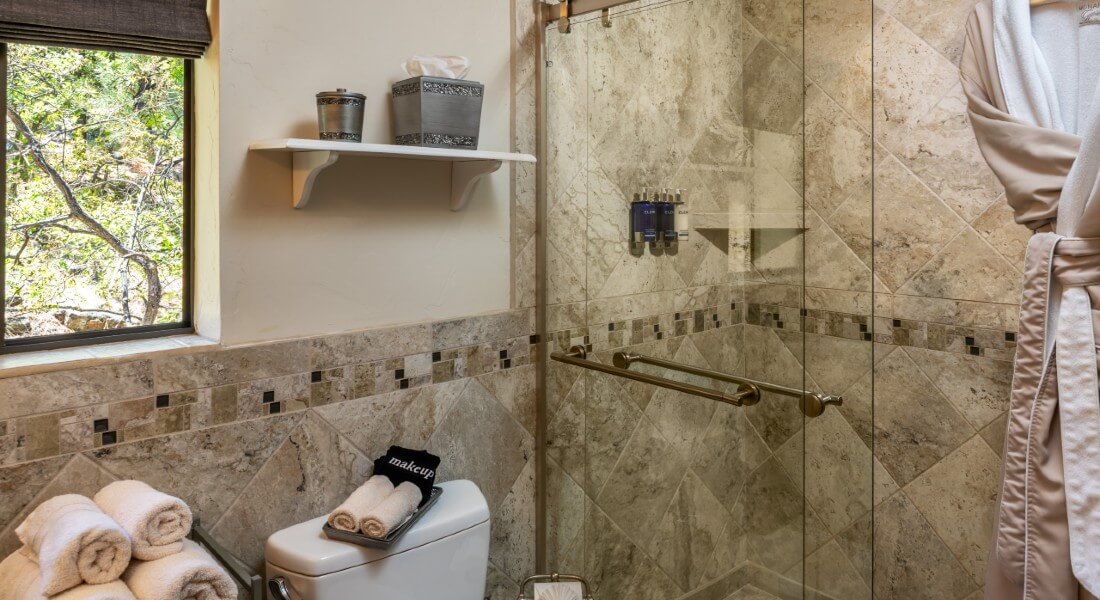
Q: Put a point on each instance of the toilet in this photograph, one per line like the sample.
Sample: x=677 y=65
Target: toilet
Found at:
x=444 y=555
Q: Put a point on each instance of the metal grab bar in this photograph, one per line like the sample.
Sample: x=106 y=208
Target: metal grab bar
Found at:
x=747 y=394
x=813 y=403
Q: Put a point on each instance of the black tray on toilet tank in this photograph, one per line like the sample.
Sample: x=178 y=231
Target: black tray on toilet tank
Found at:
x=396 y=534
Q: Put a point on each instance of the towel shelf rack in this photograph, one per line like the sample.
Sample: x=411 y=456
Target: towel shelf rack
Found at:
x=746 y=394
x=554 y=578
x=748 y=391
x=813 y=403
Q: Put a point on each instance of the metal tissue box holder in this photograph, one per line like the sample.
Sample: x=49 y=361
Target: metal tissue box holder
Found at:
x=437 y=112
x=554 y=578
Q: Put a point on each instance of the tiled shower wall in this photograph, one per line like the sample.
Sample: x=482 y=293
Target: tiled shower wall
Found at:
x=944 y=257
x=948 y=260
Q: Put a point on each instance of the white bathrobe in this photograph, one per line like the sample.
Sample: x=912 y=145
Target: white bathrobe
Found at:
x=1031 y=78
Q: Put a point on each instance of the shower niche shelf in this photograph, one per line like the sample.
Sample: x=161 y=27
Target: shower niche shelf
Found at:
x=752 y=221
x=311 y=157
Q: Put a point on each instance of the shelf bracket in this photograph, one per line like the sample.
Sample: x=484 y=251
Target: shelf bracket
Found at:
x=464 y=177
x=307 y=165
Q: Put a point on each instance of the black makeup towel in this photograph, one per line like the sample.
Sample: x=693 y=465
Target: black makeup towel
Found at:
x=416 y=466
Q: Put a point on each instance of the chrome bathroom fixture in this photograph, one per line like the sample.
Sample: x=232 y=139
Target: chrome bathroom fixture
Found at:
x=748 y=392
x=563 y=11
x=813 y=403
x=746 y=395
x=552 y=578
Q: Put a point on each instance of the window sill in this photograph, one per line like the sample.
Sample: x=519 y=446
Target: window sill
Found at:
x=29 y=363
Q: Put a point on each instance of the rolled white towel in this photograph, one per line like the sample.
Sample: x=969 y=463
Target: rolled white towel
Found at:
x=392 y=511
x=20 y=579
x=347 y=516
x=73 y=542
x=155 y=521
x=191 y=574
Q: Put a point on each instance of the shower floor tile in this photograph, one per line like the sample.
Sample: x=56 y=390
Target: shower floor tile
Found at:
x=751 y=593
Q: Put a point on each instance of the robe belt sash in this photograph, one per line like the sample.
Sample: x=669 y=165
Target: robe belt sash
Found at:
x=1055 y=366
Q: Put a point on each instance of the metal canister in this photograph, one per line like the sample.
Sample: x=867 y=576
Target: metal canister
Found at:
x=340 y=115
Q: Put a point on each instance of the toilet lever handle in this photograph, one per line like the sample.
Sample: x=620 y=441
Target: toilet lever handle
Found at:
x=278 y=588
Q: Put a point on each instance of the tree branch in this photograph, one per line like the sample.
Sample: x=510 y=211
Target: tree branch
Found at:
x=42 y=223
x=148 y=265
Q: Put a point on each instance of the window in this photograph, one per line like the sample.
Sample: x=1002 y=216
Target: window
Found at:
x=96 y=197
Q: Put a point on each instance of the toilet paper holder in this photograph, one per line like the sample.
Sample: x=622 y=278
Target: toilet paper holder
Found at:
x=552 y=578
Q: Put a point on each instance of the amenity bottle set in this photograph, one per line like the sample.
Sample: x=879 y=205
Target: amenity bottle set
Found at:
x=659 y=219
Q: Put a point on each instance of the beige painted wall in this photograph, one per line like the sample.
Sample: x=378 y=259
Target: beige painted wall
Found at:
x=378 y=244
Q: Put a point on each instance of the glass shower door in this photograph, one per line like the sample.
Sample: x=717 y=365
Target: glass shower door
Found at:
x=654 y=492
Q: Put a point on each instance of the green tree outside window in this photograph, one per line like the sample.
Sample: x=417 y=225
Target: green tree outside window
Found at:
x=94 y=198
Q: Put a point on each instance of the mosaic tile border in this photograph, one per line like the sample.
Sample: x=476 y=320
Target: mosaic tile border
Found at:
x=60 y=432
x=39 y=436
x=634 y=331
x=973 y=341
x=997 y=344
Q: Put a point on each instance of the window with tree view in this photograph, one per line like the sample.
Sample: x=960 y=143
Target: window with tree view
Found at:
x=95 y=196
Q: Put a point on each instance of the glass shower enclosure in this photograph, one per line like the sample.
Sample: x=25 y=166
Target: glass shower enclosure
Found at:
x=707 y=402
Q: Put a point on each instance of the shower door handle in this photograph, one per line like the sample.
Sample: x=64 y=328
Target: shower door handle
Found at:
x=812 y=404
x=747 y=394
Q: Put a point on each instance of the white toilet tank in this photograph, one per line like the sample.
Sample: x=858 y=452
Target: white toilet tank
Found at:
x=443 y=556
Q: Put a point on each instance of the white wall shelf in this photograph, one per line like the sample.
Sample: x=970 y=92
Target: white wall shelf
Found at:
x=313 y=156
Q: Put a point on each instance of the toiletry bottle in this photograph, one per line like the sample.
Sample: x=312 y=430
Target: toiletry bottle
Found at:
x=650 y=219
x=683 y=218
x=655 y=220
x=659 y=218
x=666 y=215
x=642 y=222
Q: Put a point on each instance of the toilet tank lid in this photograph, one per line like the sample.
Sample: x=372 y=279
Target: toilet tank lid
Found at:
x=304 y=548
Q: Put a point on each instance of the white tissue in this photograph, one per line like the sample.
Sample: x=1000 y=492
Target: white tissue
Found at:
x=562 y=590
x=452 y=67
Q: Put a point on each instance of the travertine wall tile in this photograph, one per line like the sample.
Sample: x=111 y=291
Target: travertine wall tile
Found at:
x=915 y=426
x=313 y=470
x=911 y=223
x=255 y=455
x=479 y=440
x=911 y=560
x=967 y=268
x=469 y=331
x=954 y=312
x=80 y=475
x=367 y=346
x=958 y=496
x=838 y=53
x=209 y=468
x=838 y=154
x=62 y=390
x=220 y=367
